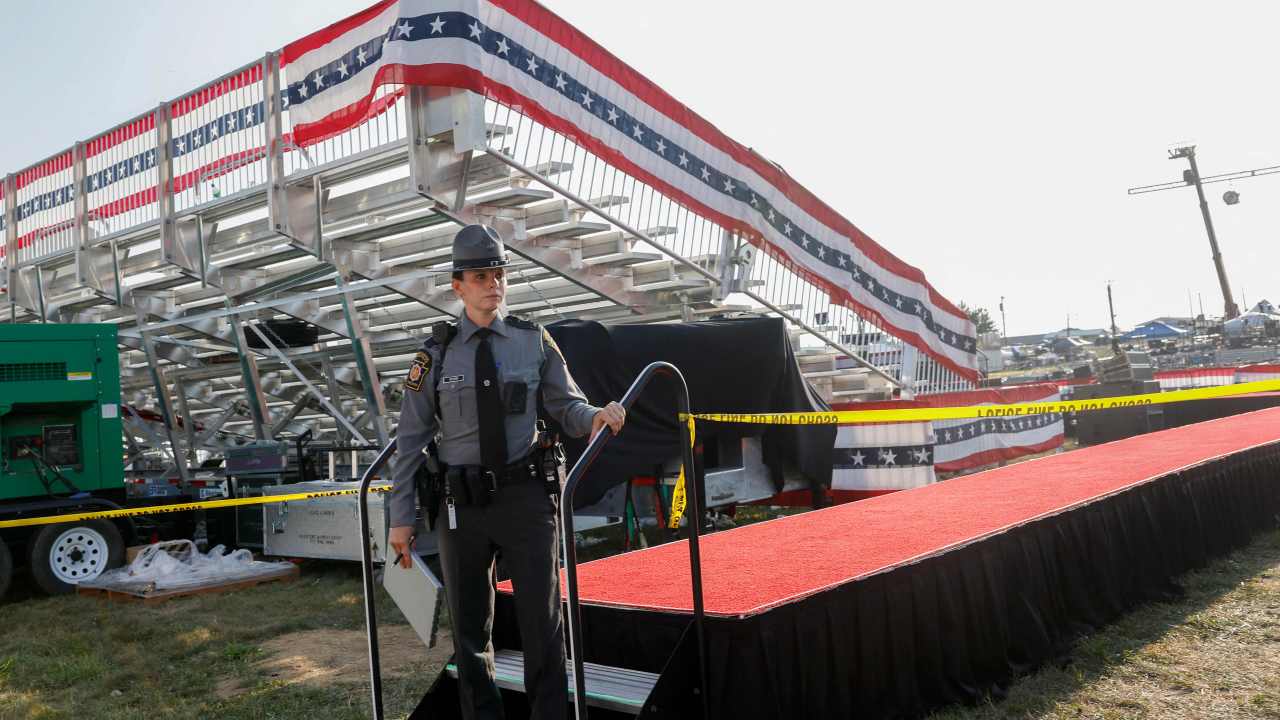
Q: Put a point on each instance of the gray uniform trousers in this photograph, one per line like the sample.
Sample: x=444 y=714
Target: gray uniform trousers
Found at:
x=521 y=522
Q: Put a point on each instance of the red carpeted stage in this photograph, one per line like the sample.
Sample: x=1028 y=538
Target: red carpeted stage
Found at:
x=899 y=603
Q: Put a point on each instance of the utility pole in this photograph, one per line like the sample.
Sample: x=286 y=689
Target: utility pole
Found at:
x=1004 y=327
x=1115 y=339
x=1192 y=177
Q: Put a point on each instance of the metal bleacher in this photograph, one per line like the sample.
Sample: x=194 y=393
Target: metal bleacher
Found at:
x=201 y=230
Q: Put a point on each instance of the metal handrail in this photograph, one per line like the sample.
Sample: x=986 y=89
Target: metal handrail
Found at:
x=366 y=565
x=580 y=468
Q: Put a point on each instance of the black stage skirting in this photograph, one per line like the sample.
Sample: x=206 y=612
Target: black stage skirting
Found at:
x=961 y=625
x=1188 y=413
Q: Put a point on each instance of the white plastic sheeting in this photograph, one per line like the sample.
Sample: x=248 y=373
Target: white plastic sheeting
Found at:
x=179 y=565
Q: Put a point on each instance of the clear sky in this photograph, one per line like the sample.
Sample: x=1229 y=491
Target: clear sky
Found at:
x=988 y=143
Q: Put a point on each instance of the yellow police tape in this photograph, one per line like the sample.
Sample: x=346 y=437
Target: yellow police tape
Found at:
x=679 y=500
x=179 y=507
x=677 y=495
x=845 y=417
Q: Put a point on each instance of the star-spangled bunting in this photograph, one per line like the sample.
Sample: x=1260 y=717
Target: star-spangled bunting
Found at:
x=454 y=25
x=987 y=426
x=895 y=456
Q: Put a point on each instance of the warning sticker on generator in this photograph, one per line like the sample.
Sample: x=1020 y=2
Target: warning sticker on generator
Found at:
x=79 y=376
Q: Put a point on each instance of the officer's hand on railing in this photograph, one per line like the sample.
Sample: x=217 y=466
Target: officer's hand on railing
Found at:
x=613 y=415
x=401 y=541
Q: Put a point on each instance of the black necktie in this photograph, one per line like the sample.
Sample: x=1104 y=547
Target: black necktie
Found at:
x=493 y=433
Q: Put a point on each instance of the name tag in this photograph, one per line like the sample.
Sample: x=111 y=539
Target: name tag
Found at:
x=452 y=379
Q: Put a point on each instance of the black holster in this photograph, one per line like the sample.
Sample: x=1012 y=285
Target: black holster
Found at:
x=470 y=485
x=551 y=459
x=430 y=482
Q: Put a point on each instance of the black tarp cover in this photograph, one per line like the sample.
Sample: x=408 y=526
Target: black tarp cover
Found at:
x=733 y=365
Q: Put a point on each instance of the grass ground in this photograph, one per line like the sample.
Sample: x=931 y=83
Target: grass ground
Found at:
x=224 y=656
x=297 y=651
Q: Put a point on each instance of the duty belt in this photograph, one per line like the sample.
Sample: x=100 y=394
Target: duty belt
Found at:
x=520 y=471
x=476 y=485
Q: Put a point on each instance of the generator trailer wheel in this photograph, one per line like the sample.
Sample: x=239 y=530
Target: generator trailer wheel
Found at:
x=67 y=554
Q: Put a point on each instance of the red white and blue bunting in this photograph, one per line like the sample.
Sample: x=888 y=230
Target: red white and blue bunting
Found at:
x=967 y=444
x=882 y=458
x=519 y=53
x=899 y=456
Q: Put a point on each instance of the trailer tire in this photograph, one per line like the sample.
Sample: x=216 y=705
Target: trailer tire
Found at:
x=6 y=568
x=66 y=554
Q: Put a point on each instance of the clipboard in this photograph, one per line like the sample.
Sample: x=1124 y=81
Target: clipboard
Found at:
x=417 y=592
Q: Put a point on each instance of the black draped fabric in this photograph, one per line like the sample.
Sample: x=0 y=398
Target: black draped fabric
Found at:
x=738 y=366
x=955 y=626
x=1188 y=413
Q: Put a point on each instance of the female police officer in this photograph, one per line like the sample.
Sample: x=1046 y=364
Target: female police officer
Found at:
x=478 y=386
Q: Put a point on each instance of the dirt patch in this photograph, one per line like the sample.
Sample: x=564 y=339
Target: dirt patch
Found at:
x=325 y=657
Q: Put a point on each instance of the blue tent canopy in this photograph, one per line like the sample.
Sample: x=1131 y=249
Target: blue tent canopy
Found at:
x=1152 y=330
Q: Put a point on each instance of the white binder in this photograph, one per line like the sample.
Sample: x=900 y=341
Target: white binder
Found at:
x=417 y=593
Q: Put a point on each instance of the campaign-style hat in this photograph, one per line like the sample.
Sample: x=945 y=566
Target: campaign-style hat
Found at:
x=477 y=247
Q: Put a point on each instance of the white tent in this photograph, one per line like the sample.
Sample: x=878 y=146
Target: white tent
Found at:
x=1251 y=319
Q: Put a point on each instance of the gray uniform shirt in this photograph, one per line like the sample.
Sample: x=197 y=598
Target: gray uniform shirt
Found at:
x=524 y=353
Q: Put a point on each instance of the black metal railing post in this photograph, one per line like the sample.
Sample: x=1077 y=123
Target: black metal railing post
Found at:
x=694 y=515
x=366 y=564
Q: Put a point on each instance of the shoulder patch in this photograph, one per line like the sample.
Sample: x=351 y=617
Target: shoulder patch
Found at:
x=551 y=342
x=518 y=322
x=419 y=369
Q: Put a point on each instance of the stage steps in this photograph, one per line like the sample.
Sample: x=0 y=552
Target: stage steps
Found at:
x=611 y=688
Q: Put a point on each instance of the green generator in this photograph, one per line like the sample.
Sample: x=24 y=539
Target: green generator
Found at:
x=61 y=450
x=59 y=410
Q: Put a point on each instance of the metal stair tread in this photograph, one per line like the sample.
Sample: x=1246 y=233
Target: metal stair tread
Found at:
x=669 y=284
x=878 y=392
x=804 y=354
x=621 y=258
x=838 y=372
x=567 y=229
x=513 y=197
x=608 y=687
